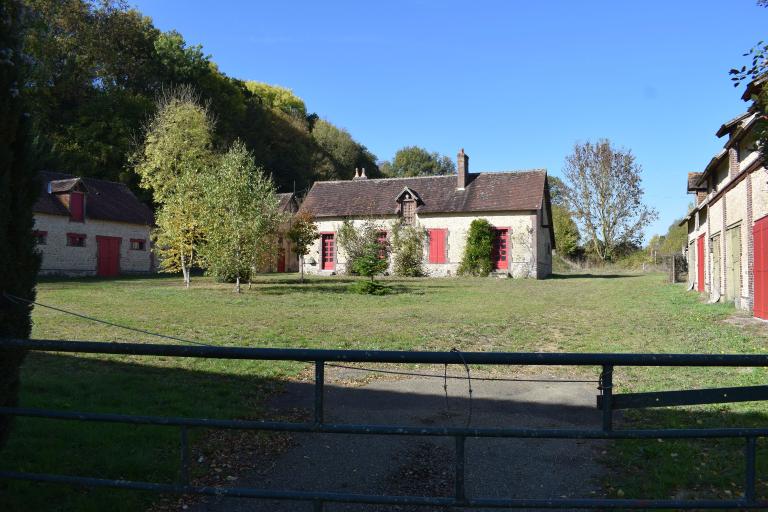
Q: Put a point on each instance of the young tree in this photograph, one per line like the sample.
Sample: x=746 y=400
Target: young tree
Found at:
x=241 y=215
x=373 y=260
x=177 y=153
x=605 y=195
x=302 y=234
x=355 y=241
x=19 y=260
x=477 y=252
x=408 y=250
x=567 y=234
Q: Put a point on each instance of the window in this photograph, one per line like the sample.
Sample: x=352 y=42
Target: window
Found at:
x=75 y=240
x=437 y=246
x=41 y=237
x=409 y=211
x=76 y=207
x=138 y=244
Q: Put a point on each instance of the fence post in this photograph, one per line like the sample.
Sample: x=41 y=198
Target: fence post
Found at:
x=319 y=386
x=460 y=492
x=606 y=386
x=749 y=477
x=184 y=444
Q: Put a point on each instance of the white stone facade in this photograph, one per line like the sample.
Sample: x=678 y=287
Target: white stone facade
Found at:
x=59 y=258
x=529 y=251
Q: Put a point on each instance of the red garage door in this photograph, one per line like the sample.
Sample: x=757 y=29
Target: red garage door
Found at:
x=108 y=254
x=701 y=261
x=760 y=267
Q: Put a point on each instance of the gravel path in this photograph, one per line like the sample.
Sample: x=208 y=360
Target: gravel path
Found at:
x=424 y=466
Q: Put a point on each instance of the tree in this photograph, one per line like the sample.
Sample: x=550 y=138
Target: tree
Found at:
x=302 y=234
x=567 y=234
x=408 y=250
x=355 y=241
x=416 y=161
x=176 y=155
x=19 y=260
x=338 y=154
x=280 y=98
x=605 y=195
x=372 y=261
x=240 y=214
x=477 y=252
x=556 y=191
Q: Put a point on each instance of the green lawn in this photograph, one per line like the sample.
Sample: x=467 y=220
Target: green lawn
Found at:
x=578 y=313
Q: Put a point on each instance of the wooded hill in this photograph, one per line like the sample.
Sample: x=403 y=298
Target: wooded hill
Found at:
x=97 y=68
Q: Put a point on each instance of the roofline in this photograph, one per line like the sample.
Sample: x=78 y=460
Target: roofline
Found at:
x=522 y=171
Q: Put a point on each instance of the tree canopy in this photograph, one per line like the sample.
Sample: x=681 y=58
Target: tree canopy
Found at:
x=415 y=161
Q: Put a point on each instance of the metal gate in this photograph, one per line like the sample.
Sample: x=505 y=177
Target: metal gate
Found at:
x=607 y=401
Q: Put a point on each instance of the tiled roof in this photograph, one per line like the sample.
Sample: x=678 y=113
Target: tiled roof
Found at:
x=484 y=192
x=105 y=200
x=284 y=201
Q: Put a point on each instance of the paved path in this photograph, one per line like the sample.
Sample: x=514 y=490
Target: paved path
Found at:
x=424 y=466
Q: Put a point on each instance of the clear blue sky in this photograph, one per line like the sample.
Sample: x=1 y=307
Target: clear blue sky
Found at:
x=514 y=83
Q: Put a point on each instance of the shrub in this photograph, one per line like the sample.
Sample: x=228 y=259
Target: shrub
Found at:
x=372 y=260
x=408 y=250
x=477 y=253
x=370 y=288
x=354 y=240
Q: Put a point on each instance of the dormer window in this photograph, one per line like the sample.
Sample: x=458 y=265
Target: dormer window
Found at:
x=76 y=206
x=409 y=211
x=408 y=201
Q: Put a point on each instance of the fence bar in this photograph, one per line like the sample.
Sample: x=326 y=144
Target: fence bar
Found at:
x=749 y=484
x=318 y=506
x=606 y=387
x=391 y=356
x=184 y=441
x=460 y=459
x=319 y=387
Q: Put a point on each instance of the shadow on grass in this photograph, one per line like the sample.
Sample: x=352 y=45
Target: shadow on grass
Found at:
x=335 y=287
x=650 y=469
x=591 y=276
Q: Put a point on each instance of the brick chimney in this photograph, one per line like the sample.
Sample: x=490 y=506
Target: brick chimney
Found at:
x=463 y=168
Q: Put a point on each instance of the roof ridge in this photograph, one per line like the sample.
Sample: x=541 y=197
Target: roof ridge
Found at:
x=519 y=171
x=73 y=176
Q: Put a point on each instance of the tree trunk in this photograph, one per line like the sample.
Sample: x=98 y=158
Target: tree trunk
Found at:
x=185 y=272
x=237 y=284
x=301 y=265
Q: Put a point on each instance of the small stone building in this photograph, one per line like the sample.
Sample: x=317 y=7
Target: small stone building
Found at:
x=728 y=226
x=517 y=204
x=88 y=227
x=286 y=259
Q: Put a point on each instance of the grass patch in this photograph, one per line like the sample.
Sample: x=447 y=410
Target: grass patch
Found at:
x=596 y=312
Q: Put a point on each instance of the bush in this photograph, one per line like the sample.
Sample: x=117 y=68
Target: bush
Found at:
x=372 y=261
x=370 y=288
x=477 y=253
x=408 y=250
x=355 y=240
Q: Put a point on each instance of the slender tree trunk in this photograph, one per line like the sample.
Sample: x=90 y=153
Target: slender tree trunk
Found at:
x=301 y=265
x=185 y=272
x=237 y=284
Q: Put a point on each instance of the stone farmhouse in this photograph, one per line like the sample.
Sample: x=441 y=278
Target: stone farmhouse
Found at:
x=517 y=204
x=87 y=227
x=728 y=226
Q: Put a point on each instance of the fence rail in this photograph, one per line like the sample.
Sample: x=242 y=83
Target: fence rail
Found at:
x=607 y=401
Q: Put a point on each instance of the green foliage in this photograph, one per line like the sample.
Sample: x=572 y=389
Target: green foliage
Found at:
x=477 y=252
x=567 y=234
x=280 y=98
x=176 y=156
x=372 y=261
x=302 y=234
x=557 y=190
x=240 y=216
x=338 y=154
x=370 y=288
x=19 y=260
x=355 y=240
x=408 y=250
x=416 y=161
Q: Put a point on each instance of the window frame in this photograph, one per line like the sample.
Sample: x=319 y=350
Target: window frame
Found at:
x=141 y=241
x=81 y=237
x=40 y=235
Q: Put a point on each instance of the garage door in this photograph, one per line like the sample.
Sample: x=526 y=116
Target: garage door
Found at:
x=760 y=266
x=733 y=253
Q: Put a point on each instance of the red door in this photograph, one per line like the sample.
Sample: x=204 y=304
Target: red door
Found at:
x=107 y=256
x=328 y=252
x=701 y=261
x=499 y=249
x=281 y=260
x=760 y=267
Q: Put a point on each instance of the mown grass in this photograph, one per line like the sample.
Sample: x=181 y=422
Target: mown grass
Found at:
x=575 y=313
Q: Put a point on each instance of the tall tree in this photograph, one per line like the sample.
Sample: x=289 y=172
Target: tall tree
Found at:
x=302 y=234
x=19 y=260
x=417 y=161
x=176 y=155
x=567 y=234
x=338 y=154
x=604 y=193
x=277 y=97
x=241 y=216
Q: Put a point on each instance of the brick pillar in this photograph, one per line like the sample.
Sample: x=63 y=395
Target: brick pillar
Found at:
x=463 y=169
x=733 y=162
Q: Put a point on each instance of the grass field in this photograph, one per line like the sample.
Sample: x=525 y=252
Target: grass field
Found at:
x=575 y=313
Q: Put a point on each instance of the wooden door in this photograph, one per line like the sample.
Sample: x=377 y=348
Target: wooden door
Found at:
x=760 y=267
x=500 y=249
x=733 y=252
x=107 y=256
x=716 y=279
x=281 y=260
x=701 y=263
x=328 y=252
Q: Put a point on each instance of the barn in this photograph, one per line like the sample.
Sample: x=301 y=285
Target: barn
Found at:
x=91 y=227
x=517 y=205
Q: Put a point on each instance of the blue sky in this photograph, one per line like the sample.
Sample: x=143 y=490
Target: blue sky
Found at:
x=515 y=83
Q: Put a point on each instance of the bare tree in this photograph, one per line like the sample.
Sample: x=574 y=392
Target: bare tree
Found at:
x=605 y=195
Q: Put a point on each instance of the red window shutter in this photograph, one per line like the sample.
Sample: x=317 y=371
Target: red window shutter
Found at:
x=437 y=245
x=76 y=206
